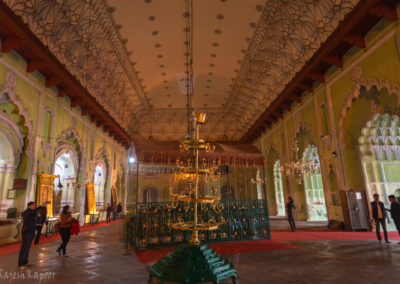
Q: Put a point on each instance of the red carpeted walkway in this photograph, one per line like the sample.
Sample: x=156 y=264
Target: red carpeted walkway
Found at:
x=327 y=236
x=14 y=247
x=148 y=256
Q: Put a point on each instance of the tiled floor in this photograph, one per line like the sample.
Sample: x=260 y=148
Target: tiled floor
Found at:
x=98 y=257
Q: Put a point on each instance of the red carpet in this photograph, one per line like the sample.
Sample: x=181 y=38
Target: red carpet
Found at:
x=147 y=256
x=14 y=247
x=327 y=236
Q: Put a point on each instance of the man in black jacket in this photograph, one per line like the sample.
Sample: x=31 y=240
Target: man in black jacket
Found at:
x=28 y=233
x=41 y=217
x=395 y=211
x=109 y=210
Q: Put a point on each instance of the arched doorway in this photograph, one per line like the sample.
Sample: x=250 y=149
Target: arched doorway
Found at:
x=11 y=143
x=150 y=195
x=280 y=200
x=66 y=167
x=380 y=156
x=100 y=176
x=313 y=186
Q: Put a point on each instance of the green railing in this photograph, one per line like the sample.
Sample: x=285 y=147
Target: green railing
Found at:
x=149 y=225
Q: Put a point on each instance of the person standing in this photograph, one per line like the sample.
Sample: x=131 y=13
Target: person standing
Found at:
x=119 y=210
x=28 y=233
x=41 y=217
x=395 y=211
x=290 y=213
x=65 y=229
x=109 y=209
x=377 y=213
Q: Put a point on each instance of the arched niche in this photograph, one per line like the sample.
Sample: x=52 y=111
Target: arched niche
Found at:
x=313 y=186
x=11 y=147
x=363 y=109
x=66 y=166
x=99 y=180
x=304 y=137
x=150 y=195
x=103 y=160
x=278 y=186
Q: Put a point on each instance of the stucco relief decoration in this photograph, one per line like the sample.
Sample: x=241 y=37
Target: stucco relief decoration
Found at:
x=70 y=133
x=368 y=83
x=83 y=36
x=102 y=152
x=288 y=34
x=7 y=92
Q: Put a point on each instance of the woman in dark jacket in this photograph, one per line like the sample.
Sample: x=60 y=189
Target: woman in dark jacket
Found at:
x=290 y=213
x=65 y=229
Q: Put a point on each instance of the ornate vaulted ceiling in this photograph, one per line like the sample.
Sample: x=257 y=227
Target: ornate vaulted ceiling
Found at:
x=130 y=55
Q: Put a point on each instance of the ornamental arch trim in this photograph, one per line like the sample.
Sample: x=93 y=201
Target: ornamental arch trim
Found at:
x=12 y=134
x=61 y=143
x=8 y=89
x=358 y=82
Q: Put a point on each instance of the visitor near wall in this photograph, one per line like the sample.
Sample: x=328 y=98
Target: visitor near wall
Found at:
x=395 y=211
x=109 y=209
x=290 y=213
x=377 y=213
x=119 y=210
x=41 y=217
x=28 y=233
x=65 y=229
x=114 y=211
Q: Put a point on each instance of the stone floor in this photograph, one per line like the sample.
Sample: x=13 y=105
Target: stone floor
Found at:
x=97 y=257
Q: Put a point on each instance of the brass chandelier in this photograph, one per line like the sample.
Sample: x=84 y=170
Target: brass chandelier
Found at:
x=299 y=167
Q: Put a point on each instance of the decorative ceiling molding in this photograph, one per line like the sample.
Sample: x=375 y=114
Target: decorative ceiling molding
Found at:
x=83 y=37
x=86 y=37
x=288 y=34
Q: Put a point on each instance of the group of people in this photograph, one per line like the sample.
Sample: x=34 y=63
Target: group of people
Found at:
x=115 y=210
x=34 y=219
x=377 y=212
x=378 y=215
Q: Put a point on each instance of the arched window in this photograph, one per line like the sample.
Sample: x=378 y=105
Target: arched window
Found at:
x=280 y=200
x=313 y=186
x=47 y=126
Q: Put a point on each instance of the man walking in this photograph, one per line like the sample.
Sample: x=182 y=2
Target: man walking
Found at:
x=395 y=211
x=109 y=210
x=378 y=214
x=28 y=233
x=119 y=210
x=41 y=217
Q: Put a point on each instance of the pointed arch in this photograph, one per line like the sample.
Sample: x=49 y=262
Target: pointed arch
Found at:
x=7 y=92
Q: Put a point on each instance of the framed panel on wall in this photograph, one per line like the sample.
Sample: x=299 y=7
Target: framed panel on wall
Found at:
x=12 y=194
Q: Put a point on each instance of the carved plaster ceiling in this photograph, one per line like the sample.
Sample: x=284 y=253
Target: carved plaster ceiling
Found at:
x=130 y=55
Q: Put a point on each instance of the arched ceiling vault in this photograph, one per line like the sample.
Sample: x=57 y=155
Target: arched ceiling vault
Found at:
x=130 y=55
